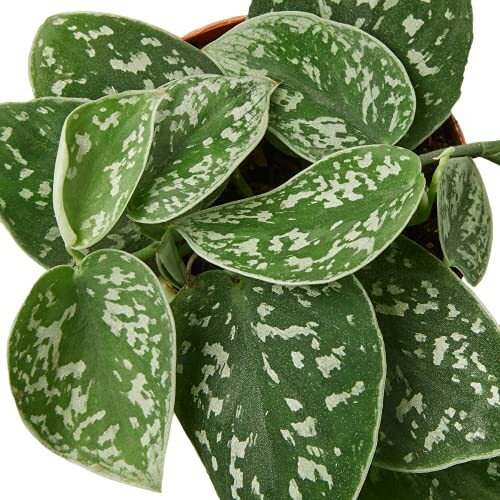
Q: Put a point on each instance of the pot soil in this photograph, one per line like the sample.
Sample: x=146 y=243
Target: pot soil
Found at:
x=261 y=178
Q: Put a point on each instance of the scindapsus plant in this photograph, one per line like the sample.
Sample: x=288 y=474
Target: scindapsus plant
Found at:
x=224 y=236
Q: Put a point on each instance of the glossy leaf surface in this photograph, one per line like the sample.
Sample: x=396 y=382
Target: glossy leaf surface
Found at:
x=91 y=55
x=103 y=152
x=206 y=126
x=279 y=388
x=29 y=138
x=470 y=481
x=465 y=219
x=431 y=38
x=442 y=400
x=91 y=360
x=334 y=94
x=325 y=223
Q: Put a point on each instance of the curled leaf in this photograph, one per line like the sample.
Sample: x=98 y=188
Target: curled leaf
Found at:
x=206 y=126
x=340 y=86
x=465 y=219
x=29 y=139
x=91 y=361
x=279 y=388
x=325 y=223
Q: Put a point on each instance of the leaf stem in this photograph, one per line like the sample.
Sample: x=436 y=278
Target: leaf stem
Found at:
x=241 y=185
x=147 y=252
x=76 y=254
x=426 y=205
x=489 y=150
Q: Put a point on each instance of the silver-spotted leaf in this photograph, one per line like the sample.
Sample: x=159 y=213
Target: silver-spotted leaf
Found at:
x=465 y=219
x=442 y=399
x=91 y=55
x=340 y=86
x=478 y=480
x=431 y=38
x=325 y=223
x=206 y=126
x=103 y=152
x=91 y=360
x=29 y=138
x=279 y=388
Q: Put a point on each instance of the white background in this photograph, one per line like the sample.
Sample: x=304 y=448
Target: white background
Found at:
x=27 y=468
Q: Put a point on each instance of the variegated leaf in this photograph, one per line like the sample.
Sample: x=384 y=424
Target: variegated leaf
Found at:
x=431 y=38
x=207 y=126
x=465 y=219
x=280 y=389
x=92 y=357
x=340 y=87
x=325 y=223
x=91 y=55
x=442 y=400
x=103 y=152
x=478 y=480
x=29 y=138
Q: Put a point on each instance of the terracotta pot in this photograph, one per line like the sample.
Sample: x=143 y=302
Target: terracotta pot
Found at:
x=449 y=134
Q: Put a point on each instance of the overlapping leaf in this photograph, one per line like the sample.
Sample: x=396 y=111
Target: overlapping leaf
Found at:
x=207 y=125
x=279 y=388
x=103 y=152
x=442 y=402
x=431 y=38
x=29 y=138
x=325 y=223
x=340 y=87
x=90 y=55
x=92 y=359
x=465 y=219
x=471 y=481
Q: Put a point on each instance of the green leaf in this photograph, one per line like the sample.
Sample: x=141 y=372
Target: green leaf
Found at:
x=470 y=481
x=432 y=39
x=103 y=152
x=280 y=389
x=465 y=219
x=91 y=360
x=341 y=87
x=207 y=126
x=29 y=138
x=325 y=223
x=91 y=55
x=442 y=403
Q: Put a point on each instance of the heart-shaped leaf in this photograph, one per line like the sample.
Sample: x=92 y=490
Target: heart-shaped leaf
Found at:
x=471 y=481
x=431 y=38
x=465 y=219
x=341 y=87
x=92 y=358
x=279 y=388
x=442 y=400
x=29 y=138
x=103 y=152
x=91 y=55
x=325 y=223
x=207 y=126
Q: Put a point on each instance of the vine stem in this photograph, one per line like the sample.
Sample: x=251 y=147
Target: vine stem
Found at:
x=147 y=252
x=242 y=185
x=489 y=150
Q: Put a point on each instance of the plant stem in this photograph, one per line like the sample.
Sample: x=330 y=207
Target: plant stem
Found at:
x=147 y=252
x=241 y=185
x=77 y=255
x=426 y=205
x=489 y=150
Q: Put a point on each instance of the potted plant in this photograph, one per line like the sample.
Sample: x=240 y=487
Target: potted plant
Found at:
x=227 y=233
